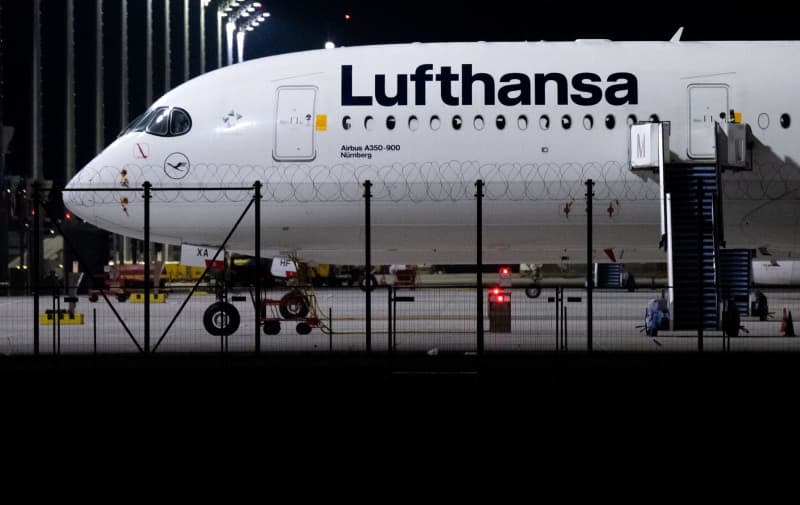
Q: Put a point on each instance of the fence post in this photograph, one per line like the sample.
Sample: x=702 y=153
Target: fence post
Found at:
x=479 y=263
x=368 y=262
x=589 y=277
x=146 y=197
x=37 y=196
x=257 y=210
x=389 y=321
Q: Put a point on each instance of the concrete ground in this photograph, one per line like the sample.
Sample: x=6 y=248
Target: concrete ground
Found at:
x=438 y=320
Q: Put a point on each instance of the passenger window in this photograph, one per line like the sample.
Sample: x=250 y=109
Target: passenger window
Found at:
x=413 y=123
x=179 y=122
x=786 y=120
x=632 y=119
x=159 y=124
x=763 y=121
x=369 y=123
x=500 y=122
x=478 y=123
x=544 y=122
x=436 y=123
x=566 y=122
x=390 y=123
x=457 y=123
x=346 y=124
x=588 y=122
x=610 y=122
x=522 y=122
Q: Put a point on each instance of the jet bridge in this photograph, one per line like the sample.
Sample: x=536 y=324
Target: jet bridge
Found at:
x=702 y=273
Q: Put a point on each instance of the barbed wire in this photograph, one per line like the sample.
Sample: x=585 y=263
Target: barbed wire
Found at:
x=450 y=181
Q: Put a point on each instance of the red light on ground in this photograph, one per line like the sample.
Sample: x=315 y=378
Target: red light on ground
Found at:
x=68 y=215
x=291 y=274
x=499 y=295
x=504 y=271
x=347 y=17
x=33 y=212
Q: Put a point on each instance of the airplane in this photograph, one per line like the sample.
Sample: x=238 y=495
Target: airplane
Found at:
x=423 y=122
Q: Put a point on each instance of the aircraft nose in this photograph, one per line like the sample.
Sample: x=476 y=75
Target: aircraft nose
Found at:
x=78 y=197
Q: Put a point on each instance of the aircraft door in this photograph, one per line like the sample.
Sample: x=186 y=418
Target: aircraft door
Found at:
x=294 y=123
x=708 y=104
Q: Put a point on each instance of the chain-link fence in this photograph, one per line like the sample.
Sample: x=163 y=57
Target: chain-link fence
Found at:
x=81 y=315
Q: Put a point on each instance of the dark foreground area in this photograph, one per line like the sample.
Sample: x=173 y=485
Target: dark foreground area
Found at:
x=242 y=374
x=293 y=398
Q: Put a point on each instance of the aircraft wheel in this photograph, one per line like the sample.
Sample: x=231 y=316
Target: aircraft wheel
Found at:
x=220 y=319
x=122 y=297
x=362 y=283
x=93 y=298
x=293 y=305
x=303 y=329
x=272 y=327
x=533 y=291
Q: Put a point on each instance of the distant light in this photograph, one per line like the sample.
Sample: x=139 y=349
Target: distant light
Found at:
x=244 y=14
x=266 y=14
x=68 y=215
x=257 y=4
x=251 y=9
x=255 y=23
x=329 y=45
x=235 y=3
x=347 y=17
x=249 y=28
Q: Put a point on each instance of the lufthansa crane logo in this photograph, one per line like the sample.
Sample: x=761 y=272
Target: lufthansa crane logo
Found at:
x=176 y=166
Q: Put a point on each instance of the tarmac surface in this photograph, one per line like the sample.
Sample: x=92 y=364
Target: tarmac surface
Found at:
x=438 y=320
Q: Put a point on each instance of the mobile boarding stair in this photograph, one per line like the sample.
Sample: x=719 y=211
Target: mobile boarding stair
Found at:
x=702 y=274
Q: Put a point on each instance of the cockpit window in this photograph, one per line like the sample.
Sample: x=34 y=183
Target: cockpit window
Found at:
x=159 y=123
x=140 y=123
x=179 y=122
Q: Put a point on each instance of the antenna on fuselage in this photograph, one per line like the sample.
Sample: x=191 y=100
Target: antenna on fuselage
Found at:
x=677 y=36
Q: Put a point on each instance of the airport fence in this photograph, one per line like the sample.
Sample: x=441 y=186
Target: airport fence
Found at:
x=54 y=316
x=422 y=319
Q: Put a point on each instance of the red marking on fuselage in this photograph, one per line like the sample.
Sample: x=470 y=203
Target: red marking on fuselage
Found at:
x=141 y=151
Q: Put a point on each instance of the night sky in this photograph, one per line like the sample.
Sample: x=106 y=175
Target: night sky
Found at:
x=297 y=25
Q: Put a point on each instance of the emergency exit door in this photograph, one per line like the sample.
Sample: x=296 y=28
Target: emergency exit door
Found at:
x=708 y=104
x=294 y=123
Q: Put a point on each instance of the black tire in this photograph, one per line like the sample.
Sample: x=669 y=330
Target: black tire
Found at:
x=272 y=327
x=303 y=329
x=293 y=305
x=533 y=291
x=362 y=283
x=93 y=298
x=221 y=318
x=122 y=297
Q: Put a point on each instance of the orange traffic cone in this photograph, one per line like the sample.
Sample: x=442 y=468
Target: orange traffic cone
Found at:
x=783 y=321
x=789 y=326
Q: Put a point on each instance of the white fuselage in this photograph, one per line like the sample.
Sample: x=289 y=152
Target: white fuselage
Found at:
x=313 y=126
